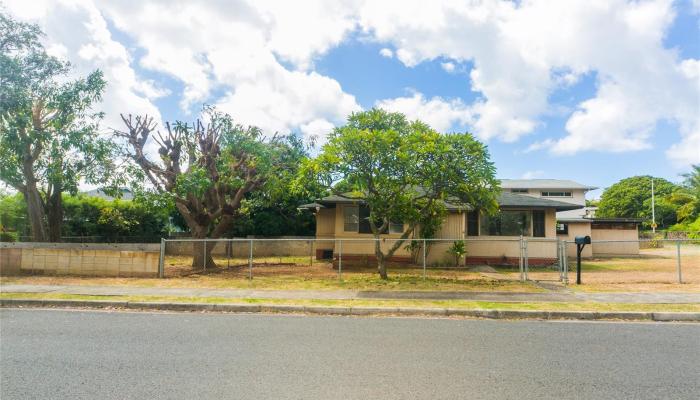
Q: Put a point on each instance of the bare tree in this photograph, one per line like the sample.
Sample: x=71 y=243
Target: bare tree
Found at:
x=207 y=168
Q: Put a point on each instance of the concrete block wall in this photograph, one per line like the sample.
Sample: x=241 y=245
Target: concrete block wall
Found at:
x=92 y=259
x=240 y=249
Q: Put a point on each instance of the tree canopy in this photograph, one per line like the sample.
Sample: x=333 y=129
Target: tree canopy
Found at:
x=631 y=198
x=49 y=141
x=403 y=171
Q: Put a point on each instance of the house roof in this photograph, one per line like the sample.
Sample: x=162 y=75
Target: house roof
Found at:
x=600 y=220
x=512 y=200
x=505 y=200
x=543 y=184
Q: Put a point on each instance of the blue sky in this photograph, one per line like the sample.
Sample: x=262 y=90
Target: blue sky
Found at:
x=593 y=92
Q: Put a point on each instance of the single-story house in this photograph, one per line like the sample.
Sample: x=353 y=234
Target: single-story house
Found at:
x=528 y=208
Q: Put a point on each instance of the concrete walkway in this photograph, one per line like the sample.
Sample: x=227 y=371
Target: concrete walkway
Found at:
x=562 y=296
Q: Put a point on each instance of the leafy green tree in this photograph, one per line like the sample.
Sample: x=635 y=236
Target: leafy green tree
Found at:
x=207 y=170
x=13 y=210
x=631 y=198
x=403 y=171
x=48 y=133
x=273 y=210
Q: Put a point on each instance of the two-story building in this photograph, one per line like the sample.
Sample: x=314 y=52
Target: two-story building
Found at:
x=530 y=208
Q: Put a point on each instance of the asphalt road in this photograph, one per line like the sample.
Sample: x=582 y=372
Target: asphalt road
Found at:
x=57 y=354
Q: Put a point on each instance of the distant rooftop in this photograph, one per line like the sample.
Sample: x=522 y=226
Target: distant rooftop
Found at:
x=125 y=194
x=505 y=200
x=543 y=184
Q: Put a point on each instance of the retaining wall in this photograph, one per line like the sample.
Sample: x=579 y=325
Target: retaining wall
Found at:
x=86 y=259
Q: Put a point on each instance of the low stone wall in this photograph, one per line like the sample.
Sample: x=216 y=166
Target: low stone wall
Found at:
x=86 y=259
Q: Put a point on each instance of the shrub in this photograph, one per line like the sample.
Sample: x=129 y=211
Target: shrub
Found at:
x=8 y=236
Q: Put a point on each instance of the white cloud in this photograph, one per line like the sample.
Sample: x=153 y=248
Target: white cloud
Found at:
x=258 y=58
x=76 y=31
x=258 y=54
x=523 y=52
x=448 y=66
x=442 y=115
x=386 y=52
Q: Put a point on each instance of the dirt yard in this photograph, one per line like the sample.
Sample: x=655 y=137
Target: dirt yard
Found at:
x=652 y=270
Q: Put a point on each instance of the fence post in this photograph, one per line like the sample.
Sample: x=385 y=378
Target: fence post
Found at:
x=161 y=260
x=527 y=261
x=678 y=257
x=424 y=262
x=204 y=259
x=250 y=260
x=520 y=258
x=565 y=259
x=340 y=260
x=229 y=250
x=311 y=254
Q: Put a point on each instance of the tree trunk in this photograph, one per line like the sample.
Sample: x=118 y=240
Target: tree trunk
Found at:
x=35 y=212
x=200 y=254
x=381 y=264
x=54 y=214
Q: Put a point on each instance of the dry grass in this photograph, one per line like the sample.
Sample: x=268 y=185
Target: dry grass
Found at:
x=459 y=304
x=296 y=276
x=653 y=270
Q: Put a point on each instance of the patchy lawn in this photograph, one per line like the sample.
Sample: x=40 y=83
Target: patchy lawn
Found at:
x=317 y=277
x=463 y=304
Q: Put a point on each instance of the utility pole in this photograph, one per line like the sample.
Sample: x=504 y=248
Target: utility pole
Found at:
x=653 y=208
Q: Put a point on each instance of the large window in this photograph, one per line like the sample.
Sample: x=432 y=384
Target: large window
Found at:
x=519 y=191
x=538 y=227
x=506 y=223
x=351 y=218
x=356 y=219
x=473 y=223
x=556 y=194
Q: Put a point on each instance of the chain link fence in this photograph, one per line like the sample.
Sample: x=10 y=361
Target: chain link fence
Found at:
x=513 y=259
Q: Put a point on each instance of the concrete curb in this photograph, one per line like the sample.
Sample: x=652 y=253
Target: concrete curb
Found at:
x=356 y=311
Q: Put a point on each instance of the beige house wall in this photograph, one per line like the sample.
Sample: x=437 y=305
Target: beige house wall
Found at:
x=611 y=249
x=85 y=259
x=577 y=229
x=454 y=227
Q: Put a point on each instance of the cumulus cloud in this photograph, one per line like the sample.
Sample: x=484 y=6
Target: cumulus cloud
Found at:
x=76 y=31
x=256 y=60
x=257 y=54
x=439 y=113
x=448 y=66
x=386 y=52
x=523 y=52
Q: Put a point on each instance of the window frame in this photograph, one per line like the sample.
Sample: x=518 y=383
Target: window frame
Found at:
x=565 y=230
x=556 y=194
x=362 y=211
x=346 y=208
x=485 y=224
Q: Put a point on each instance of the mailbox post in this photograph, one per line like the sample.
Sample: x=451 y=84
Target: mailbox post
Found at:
x=581 y=242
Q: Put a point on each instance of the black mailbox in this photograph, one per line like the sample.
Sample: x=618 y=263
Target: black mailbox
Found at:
x=583 y=240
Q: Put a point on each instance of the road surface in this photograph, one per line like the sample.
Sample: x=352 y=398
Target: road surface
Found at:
x=57 y=354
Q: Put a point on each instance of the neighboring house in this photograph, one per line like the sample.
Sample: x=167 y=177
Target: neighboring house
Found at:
x=125 y=194
x=581 y=221
x=528 y=208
